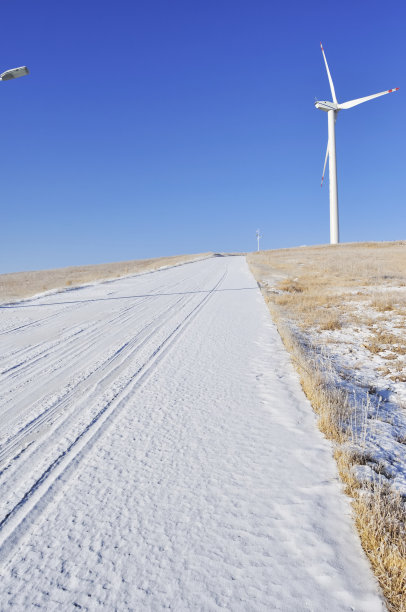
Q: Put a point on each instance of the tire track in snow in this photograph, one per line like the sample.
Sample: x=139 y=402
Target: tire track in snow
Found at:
x=78 y=305
x=14 y=444
x=61 y=356
x=88 y=387
x=32 y=503
x=98 y=380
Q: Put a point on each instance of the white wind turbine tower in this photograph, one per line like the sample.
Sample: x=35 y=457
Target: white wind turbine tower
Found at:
x=332 y=109
x=259 y=235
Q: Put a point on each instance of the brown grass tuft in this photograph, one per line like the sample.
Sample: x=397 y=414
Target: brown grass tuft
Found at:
x=291 y=286
x=380 y=520
x=330 y=321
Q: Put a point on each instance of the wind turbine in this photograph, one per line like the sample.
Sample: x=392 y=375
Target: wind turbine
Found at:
x=259 y=235
x=332 y=109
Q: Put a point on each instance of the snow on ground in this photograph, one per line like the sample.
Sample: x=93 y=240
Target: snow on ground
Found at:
x=379 y=424
x=157 y=452
x=377 y=393
x=375 y=381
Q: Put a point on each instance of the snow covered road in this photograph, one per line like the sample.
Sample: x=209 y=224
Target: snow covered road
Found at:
x=156 y=451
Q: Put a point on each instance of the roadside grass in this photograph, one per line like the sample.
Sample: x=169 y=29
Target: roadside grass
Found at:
x=314 y=292
x=20 y=285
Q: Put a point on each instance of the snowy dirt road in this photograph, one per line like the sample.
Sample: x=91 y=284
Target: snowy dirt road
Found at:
x=157 y=451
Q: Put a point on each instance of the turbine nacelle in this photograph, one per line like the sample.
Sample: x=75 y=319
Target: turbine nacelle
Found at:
x=326 y=106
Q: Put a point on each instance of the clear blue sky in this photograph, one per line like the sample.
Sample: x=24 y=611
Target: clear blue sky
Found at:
x=157 y=127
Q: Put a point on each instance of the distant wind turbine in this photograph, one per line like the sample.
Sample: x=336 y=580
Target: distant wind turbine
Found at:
x=332 y=109
x=259 y=235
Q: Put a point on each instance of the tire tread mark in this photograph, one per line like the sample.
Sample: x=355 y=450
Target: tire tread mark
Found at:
x=33 y=502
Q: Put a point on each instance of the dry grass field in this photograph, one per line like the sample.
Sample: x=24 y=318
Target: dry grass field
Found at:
x=341 y=312
x=356 y=288
x=21 y=285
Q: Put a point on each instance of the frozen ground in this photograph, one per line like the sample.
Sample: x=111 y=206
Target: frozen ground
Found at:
x=377 y=395
x=374 y=382
x=157 y=452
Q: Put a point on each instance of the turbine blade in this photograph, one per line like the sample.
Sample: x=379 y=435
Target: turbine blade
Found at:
x=352 y=103
x=333 y=93
x=325 y=163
